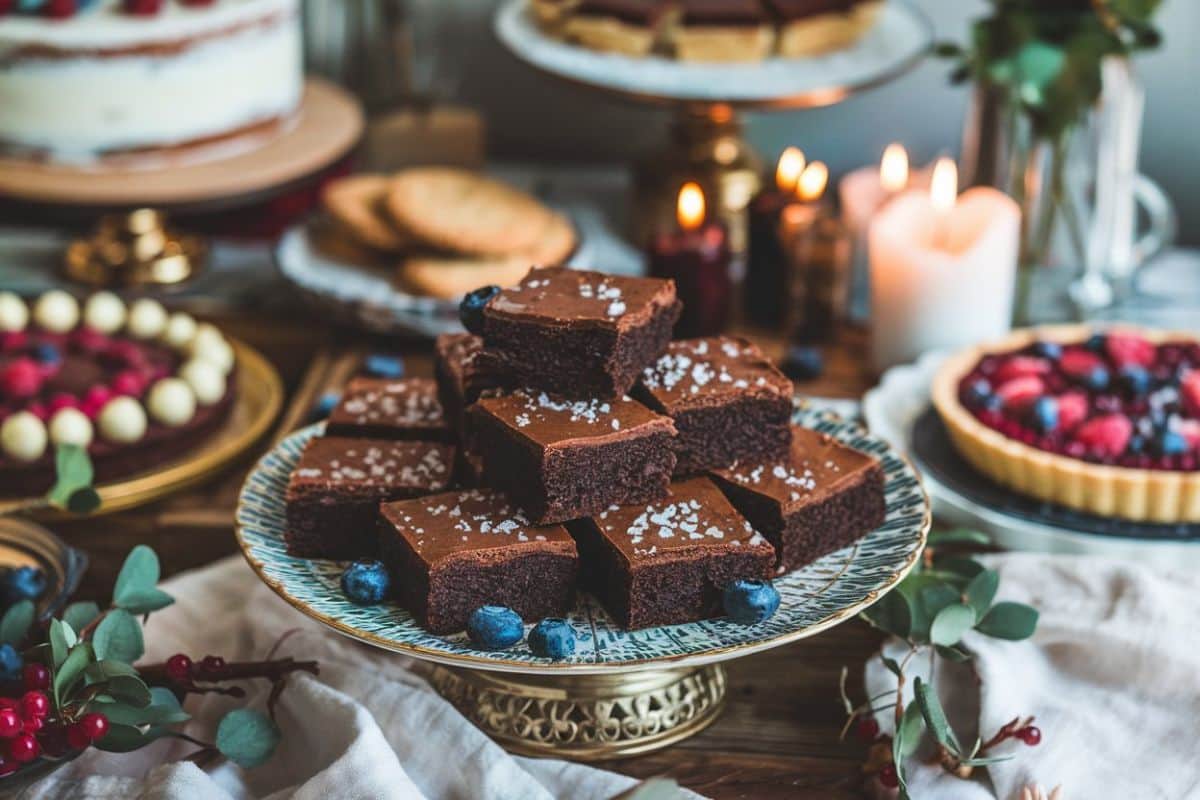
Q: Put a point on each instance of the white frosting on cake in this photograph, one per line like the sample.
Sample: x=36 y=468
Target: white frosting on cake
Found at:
x=103 y=88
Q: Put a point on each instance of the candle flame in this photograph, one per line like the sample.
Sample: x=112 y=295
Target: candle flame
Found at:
x=893 y=168
x=791 y=164
x=812 y=182
x=943 y=187
x=690 y=209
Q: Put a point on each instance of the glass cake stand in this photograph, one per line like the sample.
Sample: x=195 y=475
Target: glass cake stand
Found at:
x=707 y=98
x=622 y=692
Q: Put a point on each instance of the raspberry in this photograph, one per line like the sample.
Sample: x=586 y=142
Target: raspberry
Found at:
x=1072 y=409
x=1022 y=366
x=1105 y=436
x=128 y=382
x=1129 y=348
x=1020 y=392
x=20 y=378
x=1189 y=387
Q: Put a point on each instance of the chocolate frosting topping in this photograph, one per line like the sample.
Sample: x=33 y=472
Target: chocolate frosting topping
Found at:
x=334 y=461
x=723 y=12
x=548 y=420
x=411 y=402
x=695 y=371
x=561 y=296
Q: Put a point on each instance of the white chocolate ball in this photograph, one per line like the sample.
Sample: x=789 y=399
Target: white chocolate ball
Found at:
x=122 y=420
x=71 y=426
x=14 y=315
x=23 y=437
x=180 y=330
x=171 y=402
x=206 y=381
x=206 y=335
x=104 y=312
x=147 y=319
x=56 y=311
x=218 y=353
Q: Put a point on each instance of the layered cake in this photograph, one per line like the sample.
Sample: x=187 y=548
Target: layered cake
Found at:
x=134 y=384
x=629 y=27
x=813 y=27
x=81 y=81
x=382 y=408
x=721 y=30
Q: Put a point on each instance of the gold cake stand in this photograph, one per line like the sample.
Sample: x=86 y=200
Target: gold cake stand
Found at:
x=258 y=398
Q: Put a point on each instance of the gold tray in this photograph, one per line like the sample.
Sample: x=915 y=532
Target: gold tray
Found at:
x=256 y=404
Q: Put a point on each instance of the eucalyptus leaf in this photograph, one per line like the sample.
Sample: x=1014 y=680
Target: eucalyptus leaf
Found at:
x=908 y=737
x=130 y=689
x=962 y=566
x=935 y=716
x=247 y=737
x=1014 y=621
x=62 y=638
x=936 y=597
x=139 y=572
x=101 y=671
x=121 y=713
x=890 y=614
x=950 y=625
x=118 y=637
x=16 y=622
x=144 y=601
x=79 y=615
x=73 y=473
x=127 y=738
x=72 y=668
x=981 y=591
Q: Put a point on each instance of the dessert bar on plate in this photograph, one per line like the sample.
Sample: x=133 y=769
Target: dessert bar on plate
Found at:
x=451 y=553
x=335 y=490
x=721 y=30
x=460 y=380
x=576 y=333
x=630 y=27
x=727 y=400
x=667 y=562
x=562 y=459
x=820 y=497
x=381 y=408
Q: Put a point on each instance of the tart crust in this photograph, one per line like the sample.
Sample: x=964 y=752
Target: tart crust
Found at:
x=1142 y=495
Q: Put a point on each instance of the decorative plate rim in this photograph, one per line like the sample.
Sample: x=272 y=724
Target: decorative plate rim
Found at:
x=681 y=660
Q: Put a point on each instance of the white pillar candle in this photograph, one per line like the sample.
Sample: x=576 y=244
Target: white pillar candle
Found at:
x=942 y=269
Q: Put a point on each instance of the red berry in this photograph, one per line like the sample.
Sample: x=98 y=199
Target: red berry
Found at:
x=1030 y=735
x=95 y=725
x=11 y=341
x=35 y=676
x=24 y=748
x=10 y=723
x=39 y=411
x=126 y=353
x=129 y=382
x=1072 y=409
x=1020 y=392
x=143 y=8
x=95 y=400
x=32 y=724
x=212 y=663
x=59 y=9
x=179 y=668
x=34 y=705
x=1189 y=429
x=20 y=378
x=867 y=730
x=77 y=737
x=888 y=776
x=89 y=340
x=1129 y=348
x=1022 y=366
x=1189 y=387
x=1079 y=363
x=1105 y=436
x=60 y=400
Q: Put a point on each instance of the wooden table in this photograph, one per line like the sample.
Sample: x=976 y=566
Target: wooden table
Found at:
x=778 y=735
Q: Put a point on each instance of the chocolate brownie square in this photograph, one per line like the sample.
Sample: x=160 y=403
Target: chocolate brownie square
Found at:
x=460 y=378
x=821 y=497
x=451 y=553
x=561 y=459
x=727 y=400
x=578 y=334
x=667 y=562
x=335 y=490
x=380 y=408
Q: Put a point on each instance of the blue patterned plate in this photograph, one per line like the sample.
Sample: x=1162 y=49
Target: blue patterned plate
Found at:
x=815 y=598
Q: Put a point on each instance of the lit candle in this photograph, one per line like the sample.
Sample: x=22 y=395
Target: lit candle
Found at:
x=696 y=255
x=942 y=268
x=816 y=250
x=764 y=285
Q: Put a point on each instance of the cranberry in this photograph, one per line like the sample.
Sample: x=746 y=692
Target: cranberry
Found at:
x=888 y=776
x=212 y=663
x=95 y=400
x=35 y=676
x=77 y=737
x=94 y=725
x=179 y=668
x=32 y=724
x=34 y=705
x=10 y=723
x=59 y=9
x=24 y=748
x=1030 y=735
x=867 y=730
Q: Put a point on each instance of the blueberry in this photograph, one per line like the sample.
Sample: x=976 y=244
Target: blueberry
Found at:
x=803 y=363
x=1097 y=379
x=552 y=638
x=470 y=310
x=11 y=663
x=1170 y=443
x=47 y=353
x=494 y=627
x=384 y=366
x=1096 y=342
x=23 y=583
x=979 y=394
x=365 y=583
x=1050 y=350
x=1136 y=379
x=748 y=602
x=1137 y=444
x=325 y=405
x=1044 y=414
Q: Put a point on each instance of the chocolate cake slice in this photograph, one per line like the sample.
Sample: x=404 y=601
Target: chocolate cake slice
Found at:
x=727 y=400
x=381 y=408
x=335 y=490
x=451 y=553
x=821 y=497
x=667 y=562
x=561 y=459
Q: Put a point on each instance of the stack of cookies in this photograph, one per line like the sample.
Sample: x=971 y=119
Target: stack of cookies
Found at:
x=592 y=452
x=447 y=231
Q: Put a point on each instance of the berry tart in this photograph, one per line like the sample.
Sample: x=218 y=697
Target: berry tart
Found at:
x=134 y=384
x=1106 y=422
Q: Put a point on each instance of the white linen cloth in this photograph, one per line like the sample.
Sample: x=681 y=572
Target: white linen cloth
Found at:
x=1112 y=675
x=368 y=727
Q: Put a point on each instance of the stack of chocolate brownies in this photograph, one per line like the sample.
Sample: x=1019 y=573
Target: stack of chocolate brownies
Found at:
x=581 y=447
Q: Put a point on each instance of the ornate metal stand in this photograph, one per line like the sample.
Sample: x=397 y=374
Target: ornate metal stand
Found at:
x=586 y=717
x=135 y=249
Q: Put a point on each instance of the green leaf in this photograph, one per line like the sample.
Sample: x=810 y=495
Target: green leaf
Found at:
x=950 y=625
x=143 y=601
x=16 y=622
x=139 y=573
x=952 y=654
x=73 y=473
x=101 y=671
x=891 y=615
x=936 y=597
x=78 y=615
x=126 y=738
x=935 y=716
x=130 y=689
x=72 y=667
x=985 y=760
x=959 y=536
x=62 y=639
x=981 y=591
x=908 y=736
x=1038 y=64
x=892 y=665
x=247 y=737
x=962 y=567
x=118 y=637
x=1014 y=621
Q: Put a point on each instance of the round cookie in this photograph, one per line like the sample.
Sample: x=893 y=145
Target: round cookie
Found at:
x=356 y=202
x=555 y=244
x=459 y=211
x=449 y=278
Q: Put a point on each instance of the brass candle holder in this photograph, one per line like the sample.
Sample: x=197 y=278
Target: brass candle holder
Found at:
x=135 y=249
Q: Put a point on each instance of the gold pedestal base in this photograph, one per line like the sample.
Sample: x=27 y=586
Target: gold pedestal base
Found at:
x=586 y=717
